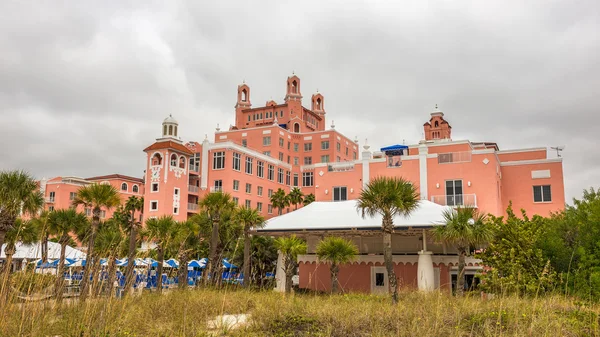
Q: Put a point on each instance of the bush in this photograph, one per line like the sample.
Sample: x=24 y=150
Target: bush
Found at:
x=31 y=283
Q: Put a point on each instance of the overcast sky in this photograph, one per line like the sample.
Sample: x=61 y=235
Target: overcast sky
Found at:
x=84 y=86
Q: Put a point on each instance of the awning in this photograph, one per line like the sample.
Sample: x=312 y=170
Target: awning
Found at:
x=394 y=148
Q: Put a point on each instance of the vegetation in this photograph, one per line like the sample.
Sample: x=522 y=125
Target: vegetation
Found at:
x=290 y=247
x=388 y=197
x=336 y=251
x=296 y=197
x=249 y=219
x=23 y=231
x=133 y=205
x=280 y=200
x=161 y=231
x=308 y=199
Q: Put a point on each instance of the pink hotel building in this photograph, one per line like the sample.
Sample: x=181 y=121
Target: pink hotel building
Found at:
x=288 y=145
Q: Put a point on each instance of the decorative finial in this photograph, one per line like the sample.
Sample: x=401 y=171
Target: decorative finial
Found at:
x=317 y=90
x=436 y=106
x=206 y=137
x=275 y=121
x=366 y=146
x=332 y=124
x=244 y=81
x=218 y=128
x=293 y=72
x=356 y=139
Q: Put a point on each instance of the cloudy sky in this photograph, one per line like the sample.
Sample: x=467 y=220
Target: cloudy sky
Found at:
x=85 y=85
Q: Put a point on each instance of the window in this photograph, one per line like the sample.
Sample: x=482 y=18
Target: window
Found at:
x=102 y=214
x=288 y=159
x=123 y=187
x=174 y=160
x=248 y=204
x=135 y=189
x=340 y=193
x=280 y=156
x=248 y=188
x=338 y=147
x=280 y=175
x=218 y=186
x=289 y=145
x=295 y=179
x=236 y=185
x=176 y=210
x=219 y=160
x=379 y=280
x=346 y=151
x=88 y=211
x=260 y=169
x=156 y=160
x=271 y=172
x=287 y=177
x=454 y=193
x=72 y=196
x=50 y=208
x=154 y=205
x=244 y=142
x=267 y=153
x=307 y=160
x=249 y=118
x=542 y=193
x=154 y=187
x=307 y=147
x=296 y=147
x=182 y=162
x=325 y=145
x=176 y=191
x=281 y=142
x=338 y=159
x=52 y=196
x=267 y=141
x=307 y=179
x=296 y=161
x=269 y=193
x=325 y=159
x=236 y=200
x=259 y=207
x=354 y=155
x=249 y=165
x=237 y=160
x=270 y=209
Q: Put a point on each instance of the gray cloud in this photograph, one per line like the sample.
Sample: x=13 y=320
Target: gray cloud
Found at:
x=84 y=88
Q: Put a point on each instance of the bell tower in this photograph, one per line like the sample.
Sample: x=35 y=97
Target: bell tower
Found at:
x=293 y=89
x=437 y=127
x=169 y=128
x=243 y=102
x=318 y=104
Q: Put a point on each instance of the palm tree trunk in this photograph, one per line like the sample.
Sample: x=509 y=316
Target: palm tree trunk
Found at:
x=58 y=287
x=183 y=270
x=112 y=274
x=89 y=263
x=289 y=265
x=6 y=222
x=129 y=275
x=334 y=278
x=247 y=244
x=9 y=251
x=159 y=269
x=45 y=248
x=460 y=278
x=213 y=263
x=387 y=256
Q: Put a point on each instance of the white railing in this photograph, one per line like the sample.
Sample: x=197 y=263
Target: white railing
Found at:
x=193 y=188
x=49 y=199
x=216 y=189
x=340 y=167
x=454 y=157
x=192 y=206
x=455 y=200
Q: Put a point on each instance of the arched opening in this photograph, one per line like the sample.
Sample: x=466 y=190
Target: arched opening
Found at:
x=156 y=160
x=164 y=130
x=182 y=162
x=436 y=124
x=296 y=128
x=175 y=131
x=124 y=187
x=244 y=95
x=135 y=189
x=174 y=160
x=318 y=103
x=170 y=130
x=294 y=87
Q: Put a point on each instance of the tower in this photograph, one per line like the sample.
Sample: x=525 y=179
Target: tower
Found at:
x=437 y=127
x=318 y=104
x=169 y=128
x=293 y=89
x=243 y=102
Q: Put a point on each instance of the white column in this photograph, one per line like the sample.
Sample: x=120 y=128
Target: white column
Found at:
x=280 y=274
x=423 y=171
x=425 y=278
x=204 y=165
x=366 y=158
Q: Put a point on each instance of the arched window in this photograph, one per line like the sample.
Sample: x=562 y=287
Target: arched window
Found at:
x=318 y=104
x=436 y=124
x=156 y=159
x=244 y=95
x=174 y=160
x=135 y=189
x=297 y=128
x=170 y=130
x=124 y=187
x=175 y=131
x=294 y=87
x=182 y=162
x=164 y=130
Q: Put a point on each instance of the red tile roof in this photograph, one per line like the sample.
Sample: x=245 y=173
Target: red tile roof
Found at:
x=116 y=176
x=169 y=145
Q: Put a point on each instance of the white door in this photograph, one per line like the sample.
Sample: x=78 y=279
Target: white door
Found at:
x=379 y=280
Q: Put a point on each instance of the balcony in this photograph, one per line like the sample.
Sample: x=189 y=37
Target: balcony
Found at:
x=192 y=206
x=195 y=168
x=49 y=199
x=340 y=167
x=455 y=200
x=193 y=189
x=454 y=157
x=216 y=189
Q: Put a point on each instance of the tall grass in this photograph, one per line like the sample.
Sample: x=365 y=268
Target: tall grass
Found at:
x=185 y=313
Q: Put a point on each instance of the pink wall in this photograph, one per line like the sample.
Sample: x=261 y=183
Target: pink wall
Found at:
x=522 y=155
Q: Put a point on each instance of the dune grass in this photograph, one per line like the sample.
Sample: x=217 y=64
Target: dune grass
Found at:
x=185 y=313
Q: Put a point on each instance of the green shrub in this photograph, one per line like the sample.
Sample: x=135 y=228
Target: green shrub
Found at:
x=30 y=283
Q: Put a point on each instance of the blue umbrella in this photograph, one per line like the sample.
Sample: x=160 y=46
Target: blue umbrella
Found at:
x=197 y=263
x=172 y=263
x=228 y=265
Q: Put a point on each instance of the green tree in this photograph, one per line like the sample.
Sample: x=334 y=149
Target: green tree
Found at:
x=96 y=197
x=248 y=219
x=296 y=197
x=185 y=240
x=388 y=197
x=161 y=231
x=19 y=193
x=514 y=263
x=308 y=199
x=336 y=251
x=216 y=205
x=464 y=227
x=132 y=206
x=61 y=224
x=111 y=243
x=23 y=231
x=280 y=200
x=41 y=221
x=290 y=247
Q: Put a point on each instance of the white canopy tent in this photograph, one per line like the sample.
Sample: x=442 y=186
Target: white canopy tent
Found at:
x=34 y=251
x=344 y=215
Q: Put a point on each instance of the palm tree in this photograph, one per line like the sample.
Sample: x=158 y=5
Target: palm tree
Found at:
x=132 y=205
x=19 y=193
x=388 y=197
x=296 y=197
x=96 y=196
x=26 y=232
x=61 y=224
x=308 y=199
x=336 y=251
x=464 y=227
x=185 y=241
x=41 y=222
x=110 y=242
x=290 y=247
x=280 y=200
x=249 y=219
x=216 y=205
x=161 y=231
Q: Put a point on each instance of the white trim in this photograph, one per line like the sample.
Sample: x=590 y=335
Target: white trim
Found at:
x=540 y=174
x=308 y=138
x=531 y=149
x=150 y=204
x=266 y=132
x=531 y=162
x=138 y=189
x=423 y=155
x=204 y=166
x=432 y=155
x=222 y=137
x=400 y=258
x=151 y=190
x=484 y=151
x=126 y=187
x=325 y=136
